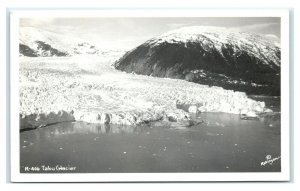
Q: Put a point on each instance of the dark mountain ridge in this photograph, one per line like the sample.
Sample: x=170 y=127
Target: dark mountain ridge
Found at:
x=210 y=55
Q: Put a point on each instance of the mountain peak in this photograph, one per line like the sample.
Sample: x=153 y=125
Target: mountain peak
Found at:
x=231 y=59
x=216 y=38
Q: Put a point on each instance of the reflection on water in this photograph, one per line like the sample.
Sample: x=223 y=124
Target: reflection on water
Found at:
x=82 y=128
x=211 y=119
x=223 y=143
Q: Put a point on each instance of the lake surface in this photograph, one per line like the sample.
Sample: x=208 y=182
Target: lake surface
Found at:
x=222 y=143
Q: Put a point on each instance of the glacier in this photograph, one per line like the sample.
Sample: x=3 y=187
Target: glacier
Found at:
x=89 y=89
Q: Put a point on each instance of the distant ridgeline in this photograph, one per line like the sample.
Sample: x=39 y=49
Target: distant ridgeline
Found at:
x=42 y=49
x=36 y=42
x=210 y=55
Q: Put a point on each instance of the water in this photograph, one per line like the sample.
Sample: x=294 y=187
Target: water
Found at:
x=223 y=143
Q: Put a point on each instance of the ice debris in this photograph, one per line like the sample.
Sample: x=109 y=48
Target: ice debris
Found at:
x=248 y=114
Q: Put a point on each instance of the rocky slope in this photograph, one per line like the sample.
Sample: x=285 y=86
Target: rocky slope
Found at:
x=210 y=55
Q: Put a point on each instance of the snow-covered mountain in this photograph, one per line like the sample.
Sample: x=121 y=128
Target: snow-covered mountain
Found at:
x=34 y=42
x=210 y=55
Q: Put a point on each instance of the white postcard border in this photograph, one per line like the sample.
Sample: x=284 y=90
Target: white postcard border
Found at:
x=284 y=175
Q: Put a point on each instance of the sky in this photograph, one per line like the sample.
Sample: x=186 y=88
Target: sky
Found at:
x=127 y=33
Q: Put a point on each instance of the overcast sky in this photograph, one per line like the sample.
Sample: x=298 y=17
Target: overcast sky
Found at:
x=126 y=33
